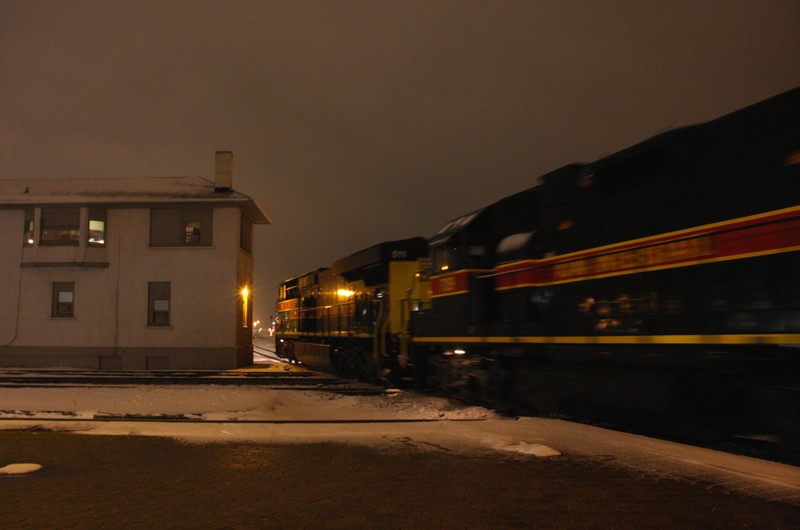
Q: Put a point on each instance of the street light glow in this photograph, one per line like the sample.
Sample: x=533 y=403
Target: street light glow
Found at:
x=245 y=294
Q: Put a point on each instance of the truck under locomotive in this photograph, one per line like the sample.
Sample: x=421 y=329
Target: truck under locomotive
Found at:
x=354 y=317
x=660 y=281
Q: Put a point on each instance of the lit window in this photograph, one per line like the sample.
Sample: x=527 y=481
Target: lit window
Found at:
x=60 y=226
x=191 y=233
x=28 y=237
x=63 y=299
x=97 y=227
x=158 y=303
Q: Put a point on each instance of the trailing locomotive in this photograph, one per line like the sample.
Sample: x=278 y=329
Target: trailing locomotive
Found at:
x=353 y=317
x=659 y=281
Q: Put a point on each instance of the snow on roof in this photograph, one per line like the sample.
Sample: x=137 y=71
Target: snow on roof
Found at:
x=122 y=191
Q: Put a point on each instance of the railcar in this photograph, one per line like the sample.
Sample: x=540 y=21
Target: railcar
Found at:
x=660 y=282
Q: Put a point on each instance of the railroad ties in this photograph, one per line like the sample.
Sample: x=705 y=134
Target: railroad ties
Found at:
x=308 y=380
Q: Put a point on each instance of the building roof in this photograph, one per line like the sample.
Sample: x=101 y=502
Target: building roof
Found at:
x=131 y=192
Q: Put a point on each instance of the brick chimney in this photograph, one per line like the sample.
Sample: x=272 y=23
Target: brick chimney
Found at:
x=223 y=176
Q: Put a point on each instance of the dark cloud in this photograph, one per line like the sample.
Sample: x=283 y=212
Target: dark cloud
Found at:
x=356 y=122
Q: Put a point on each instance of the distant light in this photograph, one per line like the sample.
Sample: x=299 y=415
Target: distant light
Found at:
x=445 y=267
x=345 y=293
x=245 y=292
x=459 y=352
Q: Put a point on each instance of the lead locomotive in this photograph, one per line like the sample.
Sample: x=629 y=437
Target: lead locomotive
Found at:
x=660 y=281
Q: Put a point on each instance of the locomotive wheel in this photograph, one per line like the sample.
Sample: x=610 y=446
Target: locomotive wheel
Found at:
x=285 y=350
x=366 y=370
x=354 y=362
x=337 y=360
x=345 y=361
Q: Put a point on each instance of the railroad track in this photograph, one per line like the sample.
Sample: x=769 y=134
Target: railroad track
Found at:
x=306 y=380
x=8 y=415
x=303 y=381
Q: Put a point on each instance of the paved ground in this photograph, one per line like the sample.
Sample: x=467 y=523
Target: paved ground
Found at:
x=148 y=482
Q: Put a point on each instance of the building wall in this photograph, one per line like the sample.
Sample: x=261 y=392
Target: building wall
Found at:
x=10 y=259
x=110 y=328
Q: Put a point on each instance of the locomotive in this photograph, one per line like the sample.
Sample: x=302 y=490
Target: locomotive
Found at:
x=354 y=317
x=660 y=281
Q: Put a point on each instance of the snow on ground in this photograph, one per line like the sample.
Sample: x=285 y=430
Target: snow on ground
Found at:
x=227 y=403
x=395 y=420
x=391 y=421
x=20 y=469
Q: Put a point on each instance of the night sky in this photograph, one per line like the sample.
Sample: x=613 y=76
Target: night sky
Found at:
x=355 y=122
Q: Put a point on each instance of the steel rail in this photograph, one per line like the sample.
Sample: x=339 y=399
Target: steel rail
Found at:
x=177 y=419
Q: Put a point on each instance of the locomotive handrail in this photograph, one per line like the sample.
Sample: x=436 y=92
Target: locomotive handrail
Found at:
x=503 y=273
x=379 y=337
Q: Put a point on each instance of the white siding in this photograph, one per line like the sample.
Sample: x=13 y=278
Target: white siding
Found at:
x=111 y=289
x=11 y=226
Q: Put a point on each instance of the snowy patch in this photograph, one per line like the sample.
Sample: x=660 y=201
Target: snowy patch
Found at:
x=226 y=403
x=20 y=469
x=538 y=450
x=394 y=420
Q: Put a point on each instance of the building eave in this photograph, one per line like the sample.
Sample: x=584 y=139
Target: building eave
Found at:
x=124 y=193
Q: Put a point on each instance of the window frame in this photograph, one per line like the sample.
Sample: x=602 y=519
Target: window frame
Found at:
x=65 y=234
x=97 y=214
x=59 y=308
x=172 y=227
x=156 y=291
x=29 y=228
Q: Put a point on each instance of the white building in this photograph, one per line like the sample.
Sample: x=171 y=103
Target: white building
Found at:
x=131 y=274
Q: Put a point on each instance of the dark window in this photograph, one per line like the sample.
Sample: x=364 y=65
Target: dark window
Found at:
x=60 y=226
x=63 y=299
x=158 y=303
x=29 y=227
x=246 y=235
x=97 y=227
x=181 y=227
